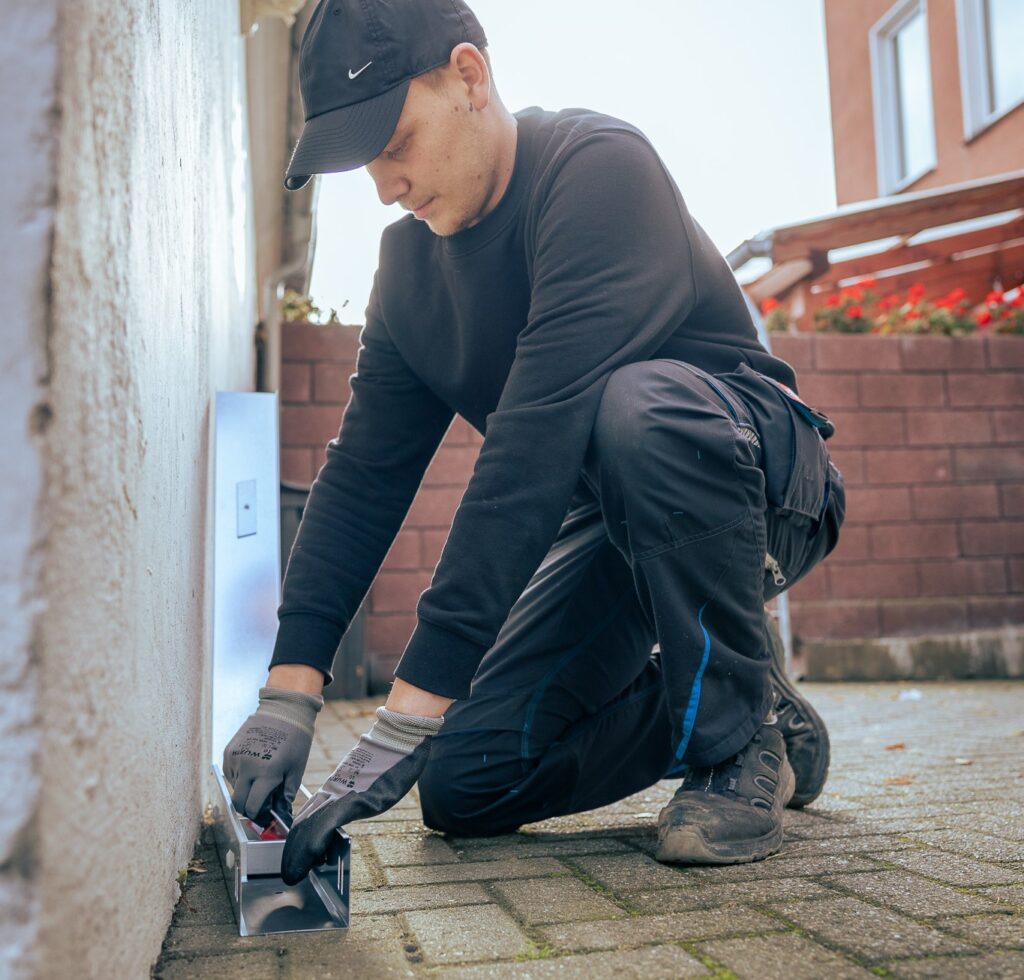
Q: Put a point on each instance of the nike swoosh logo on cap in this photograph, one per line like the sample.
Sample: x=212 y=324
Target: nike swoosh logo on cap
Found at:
x=356 y=74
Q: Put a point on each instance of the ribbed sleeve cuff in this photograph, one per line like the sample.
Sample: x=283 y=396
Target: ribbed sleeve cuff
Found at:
x=309 y=640
x=439 y=661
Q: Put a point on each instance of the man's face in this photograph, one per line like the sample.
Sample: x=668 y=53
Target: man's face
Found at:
x=440 y=163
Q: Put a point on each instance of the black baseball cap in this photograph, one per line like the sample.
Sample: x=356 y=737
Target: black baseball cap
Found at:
x=355 y=65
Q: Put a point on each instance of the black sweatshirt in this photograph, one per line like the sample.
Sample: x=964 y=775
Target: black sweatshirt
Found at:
x=590 y=261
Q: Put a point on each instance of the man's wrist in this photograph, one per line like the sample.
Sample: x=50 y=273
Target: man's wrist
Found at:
x=408 y=699
x=296 y=677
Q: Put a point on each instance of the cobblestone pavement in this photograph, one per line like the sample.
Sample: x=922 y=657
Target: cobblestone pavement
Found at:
x=911 y=864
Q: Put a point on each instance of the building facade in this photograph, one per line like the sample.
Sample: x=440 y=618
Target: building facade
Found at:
x=924 y=93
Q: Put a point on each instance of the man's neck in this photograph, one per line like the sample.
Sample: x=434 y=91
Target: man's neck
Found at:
x=507 y=140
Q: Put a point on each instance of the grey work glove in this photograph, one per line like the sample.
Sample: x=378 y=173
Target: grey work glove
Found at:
x=265 y=760
x=372 y=778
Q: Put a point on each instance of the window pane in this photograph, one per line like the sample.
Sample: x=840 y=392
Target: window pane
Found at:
x=1006 y=53
x=913 y=97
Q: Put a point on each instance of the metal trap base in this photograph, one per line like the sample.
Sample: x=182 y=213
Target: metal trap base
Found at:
x=262 y=902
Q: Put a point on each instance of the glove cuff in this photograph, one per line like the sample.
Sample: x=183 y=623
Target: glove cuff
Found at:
x=400 y=732
x=296 y=707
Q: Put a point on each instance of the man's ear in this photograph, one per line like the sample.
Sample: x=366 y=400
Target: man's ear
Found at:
x=470 y=68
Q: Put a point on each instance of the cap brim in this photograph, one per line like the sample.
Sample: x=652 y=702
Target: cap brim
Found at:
x=346 y=138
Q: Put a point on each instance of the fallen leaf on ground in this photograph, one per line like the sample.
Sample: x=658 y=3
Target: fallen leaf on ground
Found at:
x=895 y=745
x=963 y=762
x=195 y=866
x=899 y=781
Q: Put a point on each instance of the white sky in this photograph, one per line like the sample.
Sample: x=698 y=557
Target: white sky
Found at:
x=732 y=93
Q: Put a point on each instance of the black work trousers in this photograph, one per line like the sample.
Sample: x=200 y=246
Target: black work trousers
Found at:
x=638 y=647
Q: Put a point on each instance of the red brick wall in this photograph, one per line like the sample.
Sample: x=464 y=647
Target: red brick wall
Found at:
x=316 y=365
x=930 y=440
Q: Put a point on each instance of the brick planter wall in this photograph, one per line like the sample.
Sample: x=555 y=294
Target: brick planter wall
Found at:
x=316 y=365
x=929 y=573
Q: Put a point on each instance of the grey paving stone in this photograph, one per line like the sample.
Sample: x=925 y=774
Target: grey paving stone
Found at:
x=912 y=895
x=783 y=957
x=345 y=962
x=803 y=819
x=871 y=933
x=414 y=849
x=215 y=939
x=644 y=930
x=361 y=874
x=781 y=867
x=475 y=871
x=626 y=872
x=864 y=827
x=381 y=827
x=540 y=900
x=973 y=845
x=739 y=893
x=1008 y=826
x=263 y=964
x=524 y=848
x=993 y=966
x=1014 y=894
x=413 y=897
x=863 y=844
x=952 y=868
x=990 y=931
x=453 y=936
x=639 y=964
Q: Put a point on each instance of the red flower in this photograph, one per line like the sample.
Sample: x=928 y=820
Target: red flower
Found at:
x=833 y=300
x=994 y=297
x=1018 y=300
x=958 y=294
x=890 y=301
x=915 y=292
x=854 y=311
x=769 y=304
x=983 y=318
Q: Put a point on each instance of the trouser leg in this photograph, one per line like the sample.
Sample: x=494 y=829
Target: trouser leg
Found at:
x=683 y=496
x=568 y=710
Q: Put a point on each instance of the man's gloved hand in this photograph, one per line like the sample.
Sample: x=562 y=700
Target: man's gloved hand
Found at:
x=265 y=760
x=372 y=778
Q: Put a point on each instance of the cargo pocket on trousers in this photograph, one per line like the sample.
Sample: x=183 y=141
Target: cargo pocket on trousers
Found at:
x=797 y=509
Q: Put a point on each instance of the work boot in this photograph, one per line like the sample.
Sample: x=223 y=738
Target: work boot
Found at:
x=807 y=743
x=731 y=812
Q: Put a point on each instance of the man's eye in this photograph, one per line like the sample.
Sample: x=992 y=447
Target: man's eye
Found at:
x=396 y=152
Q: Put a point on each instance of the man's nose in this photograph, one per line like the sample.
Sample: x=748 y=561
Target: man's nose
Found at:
x=390 y=185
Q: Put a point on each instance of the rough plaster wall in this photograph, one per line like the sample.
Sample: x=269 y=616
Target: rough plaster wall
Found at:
x=28 y=80
x=152 y=312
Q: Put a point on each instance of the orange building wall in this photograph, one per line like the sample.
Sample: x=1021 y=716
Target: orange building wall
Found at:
x=997 y=149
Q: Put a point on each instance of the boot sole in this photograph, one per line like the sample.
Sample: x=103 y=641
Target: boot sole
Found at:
x=687 y=845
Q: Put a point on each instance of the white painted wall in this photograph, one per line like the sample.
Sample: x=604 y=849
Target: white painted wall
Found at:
x=125 y=236
x=26 y=225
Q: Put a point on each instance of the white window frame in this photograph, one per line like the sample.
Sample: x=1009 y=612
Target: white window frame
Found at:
x=884 y=95
x=974 y=57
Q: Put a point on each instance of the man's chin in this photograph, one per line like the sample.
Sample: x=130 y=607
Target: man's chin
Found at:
x=445 y=227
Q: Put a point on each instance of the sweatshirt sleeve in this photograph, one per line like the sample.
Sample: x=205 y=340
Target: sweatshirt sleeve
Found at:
x=391 y=428
x=612 y=276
